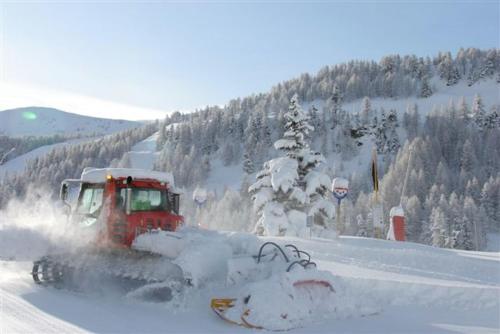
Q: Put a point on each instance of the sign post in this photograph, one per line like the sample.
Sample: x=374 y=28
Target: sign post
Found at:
x=200 y=196
x=309 y=225
x=377 y=210
x=340 y=188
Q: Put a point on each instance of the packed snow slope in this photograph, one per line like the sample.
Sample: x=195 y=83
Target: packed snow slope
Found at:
x=39 y=121
x=18 y=164
x=143 y=154
x=381 y=287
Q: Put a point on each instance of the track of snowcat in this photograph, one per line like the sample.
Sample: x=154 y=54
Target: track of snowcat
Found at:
x=144 y=275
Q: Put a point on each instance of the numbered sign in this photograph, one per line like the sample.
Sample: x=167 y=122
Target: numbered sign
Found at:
x=200 y=196
x=340 y=188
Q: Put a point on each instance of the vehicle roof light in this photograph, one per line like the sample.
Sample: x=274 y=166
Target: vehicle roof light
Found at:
x=109 y=177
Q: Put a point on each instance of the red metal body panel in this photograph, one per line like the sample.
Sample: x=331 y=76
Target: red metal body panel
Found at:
x=398 y=224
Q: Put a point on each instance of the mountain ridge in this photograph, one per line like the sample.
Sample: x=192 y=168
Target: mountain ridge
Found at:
x=47 y=121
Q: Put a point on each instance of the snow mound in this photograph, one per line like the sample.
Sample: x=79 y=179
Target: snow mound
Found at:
x=287 y=300
x=202 y=254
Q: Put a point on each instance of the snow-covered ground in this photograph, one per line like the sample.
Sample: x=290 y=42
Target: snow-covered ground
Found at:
x=493 y=243
x=381 y=287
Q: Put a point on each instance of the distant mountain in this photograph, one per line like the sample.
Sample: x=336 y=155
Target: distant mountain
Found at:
x=40 y=121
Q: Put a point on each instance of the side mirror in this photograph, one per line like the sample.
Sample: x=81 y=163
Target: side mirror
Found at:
x=128 y=201
x=63 y=195
x=175 y=204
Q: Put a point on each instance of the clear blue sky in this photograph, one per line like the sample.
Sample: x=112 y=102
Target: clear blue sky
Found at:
x=183 y=55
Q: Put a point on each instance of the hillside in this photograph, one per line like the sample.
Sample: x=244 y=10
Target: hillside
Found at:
x=17 y=165
x=223 y=176
x=40 y=121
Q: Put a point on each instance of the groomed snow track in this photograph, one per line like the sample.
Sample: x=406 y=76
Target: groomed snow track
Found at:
x=381 y=287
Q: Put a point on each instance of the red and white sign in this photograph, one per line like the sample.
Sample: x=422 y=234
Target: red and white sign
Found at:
x=340 y=187
x=397 y=225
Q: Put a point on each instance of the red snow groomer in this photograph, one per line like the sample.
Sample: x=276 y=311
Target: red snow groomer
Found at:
x=114 y=206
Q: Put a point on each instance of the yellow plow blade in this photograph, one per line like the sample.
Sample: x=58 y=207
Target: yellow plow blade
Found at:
x=222 y=304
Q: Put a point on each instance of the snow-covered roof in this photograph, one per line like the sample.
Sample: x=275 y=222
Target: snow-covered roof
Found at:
x=98 y=175
x=340 y=182
x=397 y=211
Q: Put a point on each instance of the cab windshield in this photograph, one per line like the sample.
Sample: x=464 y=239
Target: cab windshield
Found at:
x=90 y=201
x=145 y=199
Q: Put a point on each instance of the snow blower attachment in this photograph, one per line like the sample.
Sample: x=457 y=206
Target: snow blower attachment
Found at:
x=113 y=207
x=282 y=289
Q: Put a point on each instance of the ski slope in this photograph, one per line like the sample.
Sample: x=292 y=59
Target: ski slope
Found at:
x=381 y=287
x=18 y=164
x=143 y=154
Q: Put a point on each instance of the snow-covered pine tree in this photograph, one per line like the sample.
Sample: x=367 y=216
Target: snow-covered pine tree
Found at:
x=336 y=104
x=162 y=135
x=393 y=144
x=469 y=229
x=362 y=226
x=463 y=109
x=227 y=155
x=493 y=118
x=439 y=227
x=468 y=161
x=479 y=112
x=248 y=168
x=413 y=213
x=490 y=194
x=314 y=119
x=289 y=188
x=381 y=133
x=313 y=182
x=448 y=71
x=366 y=110
x=425 y=88
x=248 y=165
